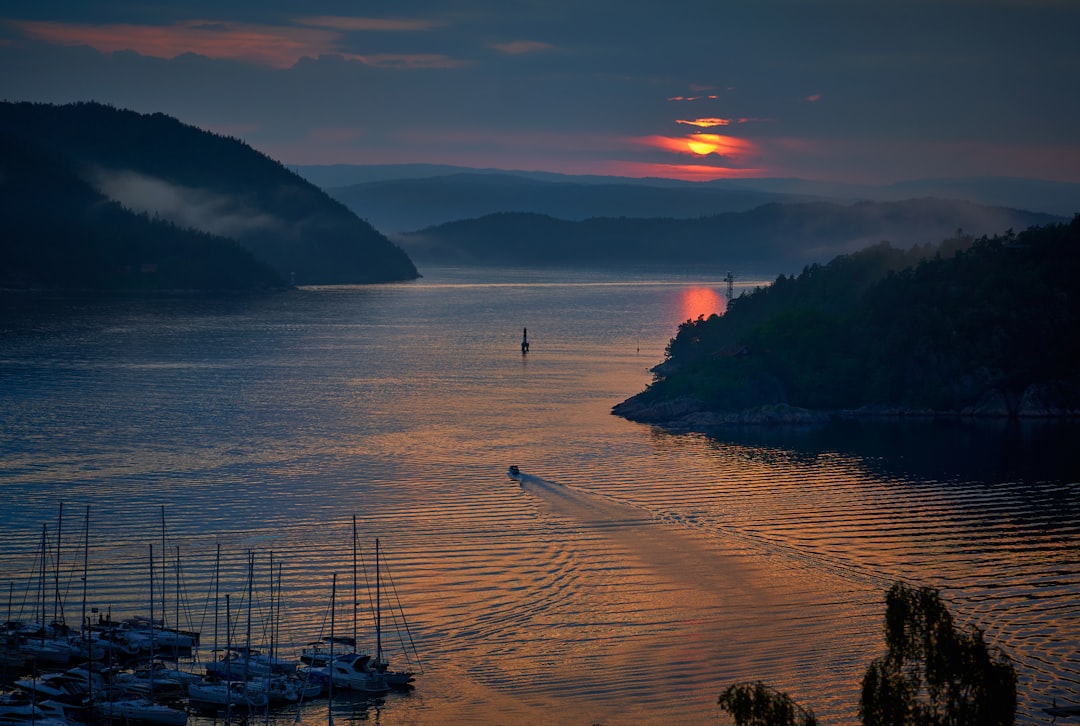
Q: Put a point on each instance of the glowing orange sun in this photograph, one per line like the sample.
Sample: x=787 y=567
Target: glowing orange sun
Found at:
x=703 y=144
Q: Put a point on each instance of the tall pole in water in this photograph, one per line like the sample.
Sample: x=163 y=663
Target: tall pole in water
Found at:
x=524 y=341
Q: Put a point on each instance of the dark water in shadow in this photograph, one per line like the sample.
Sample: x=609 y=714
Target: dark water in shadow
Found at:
x=988 y=450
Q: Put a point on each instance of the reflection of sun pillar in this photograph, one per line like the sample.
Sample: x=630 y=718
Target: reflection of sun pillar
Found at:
x=700 y=302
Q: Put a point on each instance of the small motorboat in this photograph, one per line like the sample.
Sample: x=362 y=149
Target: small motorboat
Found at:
x=513 y=472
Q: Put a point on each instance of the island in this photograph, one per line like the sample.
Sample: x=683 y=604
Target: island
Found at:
x=967 y=327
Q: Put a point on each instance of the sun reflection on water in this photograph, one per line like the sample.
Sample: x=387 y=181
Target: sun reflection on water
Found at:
x=701 y=302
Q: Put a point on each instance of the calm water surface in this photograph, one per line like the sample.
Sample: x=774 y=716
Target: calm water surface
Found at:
x=629 y=578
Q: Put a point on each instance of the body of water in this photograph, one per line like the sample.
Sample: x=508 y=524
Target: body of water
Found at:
x=629 y=577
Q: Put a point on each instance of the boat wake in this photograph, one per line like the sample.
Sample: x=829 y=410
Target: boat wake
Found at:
x=723 y=608
x=678 y=556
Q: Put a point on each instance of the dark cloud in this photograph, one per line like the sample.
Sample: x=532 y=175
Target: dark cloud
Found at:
x=832 y=89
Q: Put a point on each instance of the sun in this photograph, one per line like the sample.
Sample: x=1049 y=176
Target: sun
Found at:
x=702 y=144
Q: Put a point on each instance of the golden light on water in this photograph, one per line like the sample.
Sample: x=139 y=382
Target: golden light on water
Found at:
x=629 y=578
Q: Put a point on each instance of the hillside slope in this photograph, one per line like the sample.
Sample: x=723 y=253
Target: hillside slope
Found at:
x=61 y=234
x=154 y=164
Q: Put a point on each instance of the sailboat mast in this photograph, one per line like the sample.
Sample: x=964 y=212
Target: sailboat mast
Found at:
x=354 y=596
x=378 y=607
x=277 y=608
x=273 y=613
x=85 y=569
x=228 y=666
x=251 y=583
x=164 y=567
x=85 y=625
x=151 y=619
x=56 y=570
x=217 y=595
x=330 y=660
x=42 y=585
x=176 y=622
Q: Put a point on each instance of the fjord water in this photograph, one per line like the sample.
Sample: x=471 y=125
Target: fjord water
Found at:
x=629 y=577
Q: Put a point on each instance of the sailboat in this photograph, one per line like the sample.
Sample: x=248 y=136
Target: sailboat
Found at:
x=395 y=679
x=351 y=671
x=42 y=642
x=16 y=708
x=228 y=693
x=150 y=635
x=133 y=696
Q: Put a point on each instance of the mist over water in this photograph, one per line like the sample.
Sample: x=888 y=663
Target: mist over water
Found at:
x=629 y=577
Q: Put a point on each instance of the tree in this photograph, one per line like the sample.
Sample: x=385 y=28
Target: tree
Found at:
x=755 y=704
x=933 y=673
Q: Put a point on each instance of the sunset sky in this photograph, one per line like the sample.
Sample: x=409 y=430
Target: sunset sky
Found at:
x=832 y=90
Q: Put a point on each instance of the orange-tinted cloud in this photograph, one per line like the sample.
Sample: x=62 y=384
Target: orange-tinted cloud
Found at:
x=275 y=46
x=685 y=172
x=705 y=123
x=521 y=47
x=692 y=98
x=279 y=47
x=407 y=60
x=345 y=23
x=813 y=97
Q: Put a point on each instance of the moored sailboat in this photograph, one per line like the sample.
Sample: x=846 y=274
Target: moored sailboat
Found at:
x=395 y=678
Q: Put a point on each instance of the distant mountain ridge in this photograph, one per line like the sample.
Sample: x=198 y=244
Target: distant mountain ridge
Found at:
x=217 y=187
x=769 y=237
x=402 y=205
x=408 y=197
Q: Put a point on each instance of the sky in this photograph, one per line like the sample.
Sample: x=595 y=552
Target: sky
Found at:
x=859 y=91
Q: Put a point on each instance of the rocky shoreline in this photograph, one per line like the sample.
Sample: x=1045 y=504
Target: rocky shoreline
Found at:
x=689 y=414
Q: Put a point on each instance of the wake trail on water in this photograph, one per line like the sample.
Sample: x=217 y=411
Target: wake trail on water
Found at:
x=671 y=554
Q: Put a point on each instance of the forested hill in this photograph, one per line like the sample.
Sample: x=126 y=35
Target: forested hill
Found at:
x=979 y=327
x=154 y=165
x=59 y=233
x=772 y=236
